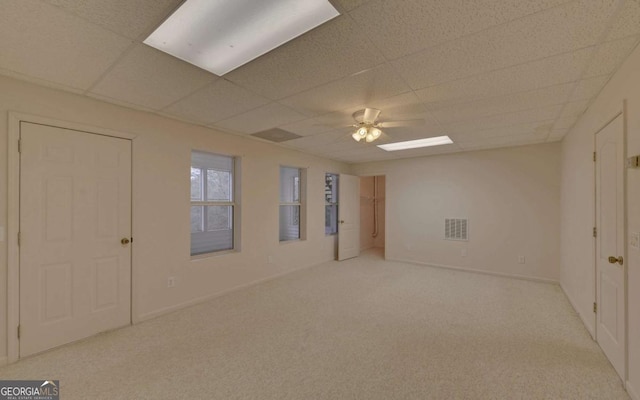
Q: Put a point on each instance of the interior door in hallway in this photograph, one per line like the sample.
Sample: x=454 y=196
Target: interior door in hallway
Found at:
x=75 y=228
x=349 y=216
x=610 y=243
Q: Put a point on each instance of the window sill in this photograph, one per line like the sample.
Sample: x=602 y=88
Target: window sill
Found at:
x=292 y=241
x=204 y=256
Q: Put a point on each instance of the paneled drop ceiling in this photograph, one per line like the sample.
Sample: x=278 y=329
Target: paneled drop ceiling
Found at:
x=488 y=73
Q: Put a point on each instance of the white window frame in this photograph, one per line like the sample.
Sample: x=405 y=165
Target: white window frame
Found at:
x=335 y=203
x=300 y=187
x=235 y=213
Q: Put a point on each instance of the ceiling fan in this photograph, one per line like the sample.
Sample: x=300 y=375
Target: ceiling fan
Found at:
x=369 y=128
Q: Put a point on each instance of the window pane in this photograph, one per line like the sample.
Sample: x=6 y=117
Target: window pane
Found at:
x=211 y=181
x=214 y=239
x=196 y=219
x=196 y=184
x=289 y=185
x=331 y=188
x=219 y=185
x=289 y=223
x=331 y=219
x=219 y=217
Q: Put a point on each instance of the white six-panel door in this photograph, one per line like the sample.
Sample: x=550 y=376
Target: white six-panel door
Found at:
x=610 y=241
x=75 y=209
x=349 y=216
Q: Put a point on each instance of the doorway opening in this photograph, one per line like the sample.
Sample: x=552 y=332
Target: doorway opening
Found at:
x=372 y=214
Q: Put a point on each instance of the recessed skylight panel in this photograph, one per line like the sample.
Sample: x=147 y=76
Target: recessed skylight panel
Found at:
x=221 y=35
x=414 y=144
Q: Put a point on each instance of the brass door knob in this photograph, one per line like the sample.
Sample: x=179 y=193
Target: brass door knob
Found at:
x=125 y=241
x=342 y=221
x=614 y=260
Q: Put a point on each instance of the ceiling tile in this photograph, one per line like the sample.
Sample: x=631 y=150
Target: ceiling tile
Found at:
x=588 y=88
x=503 y=141
x=574 y=109
x=353 y=91
x=333 y=50
x=151 y=78
x=130 y=18
x=540 y=129
x=500 y=105
x=418 y=24
x=558 y=30
x=219 y=100
x=550 y=71
x=565 y=123
x=259 y=119
x=311 y=126
x=64 y=49
x=557 y=134
x=403 y=106
x=348 y=5
x=608 y=56
x=503 y=120
x=628 y=21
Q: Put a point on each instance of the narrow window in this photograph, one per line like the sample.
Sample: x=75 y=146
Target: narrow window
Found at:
x=291 y=197
x=212 y=202
x=331 y=204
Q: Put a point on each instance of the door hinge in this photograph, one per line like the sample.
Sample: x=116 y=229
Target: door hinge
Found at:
x=19 y=145
x=595 y=307
x=18 y=238
x=18 y=331
x=594 y=156
x=595 y=232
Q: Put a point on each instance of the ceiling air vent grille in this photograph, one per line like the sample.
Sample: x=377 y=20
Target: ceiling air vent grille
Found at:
x=456 y=229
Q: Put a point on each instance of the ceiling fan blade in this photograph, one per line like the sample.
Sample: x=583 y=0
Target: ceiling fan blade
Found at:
x=370 y=115
x=397 y=124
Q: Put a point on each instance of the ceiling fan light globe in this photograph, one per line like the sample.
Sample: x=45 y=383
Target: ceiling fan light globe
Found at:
x=362 y=132
x=356 y=136
x=375 y=132
x=370 y=138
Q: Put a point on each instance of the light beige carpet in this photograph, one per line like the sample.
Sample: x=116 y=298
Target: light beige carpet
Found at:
x=360 y=329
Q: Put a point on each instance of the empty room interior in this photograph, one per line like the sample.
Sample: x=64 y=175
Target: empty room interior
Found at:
x=320 y=199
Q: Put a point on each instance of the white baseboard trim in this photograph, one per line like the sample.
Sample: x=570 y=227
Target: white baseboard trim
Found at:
x=632 y=392
x=477 y=271
x=3 y=361
x=202 y=299
x=588 y=326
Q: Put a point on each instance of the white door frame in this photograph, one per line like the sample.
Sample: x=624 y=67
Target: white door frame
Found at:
x=623 y=113
x=386 y=183
x=13 y=217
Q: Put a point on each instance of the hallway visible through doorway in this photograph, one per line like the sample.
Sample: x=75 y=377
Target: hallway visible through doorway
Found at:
x=372 y=212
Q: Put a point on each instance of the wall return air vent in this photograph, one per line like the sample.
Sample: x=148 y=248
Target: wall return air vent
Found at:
x=456 y=229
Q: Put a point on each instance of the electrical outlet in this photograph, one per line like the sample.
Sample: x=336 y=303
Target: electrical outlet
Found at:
x=521 y=260
x=171 y=282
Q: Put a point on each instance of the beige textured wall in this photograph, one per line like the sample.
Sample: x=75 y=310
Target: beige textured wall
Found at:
x=577 y=204
x=510 y=196
x=161 y=153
